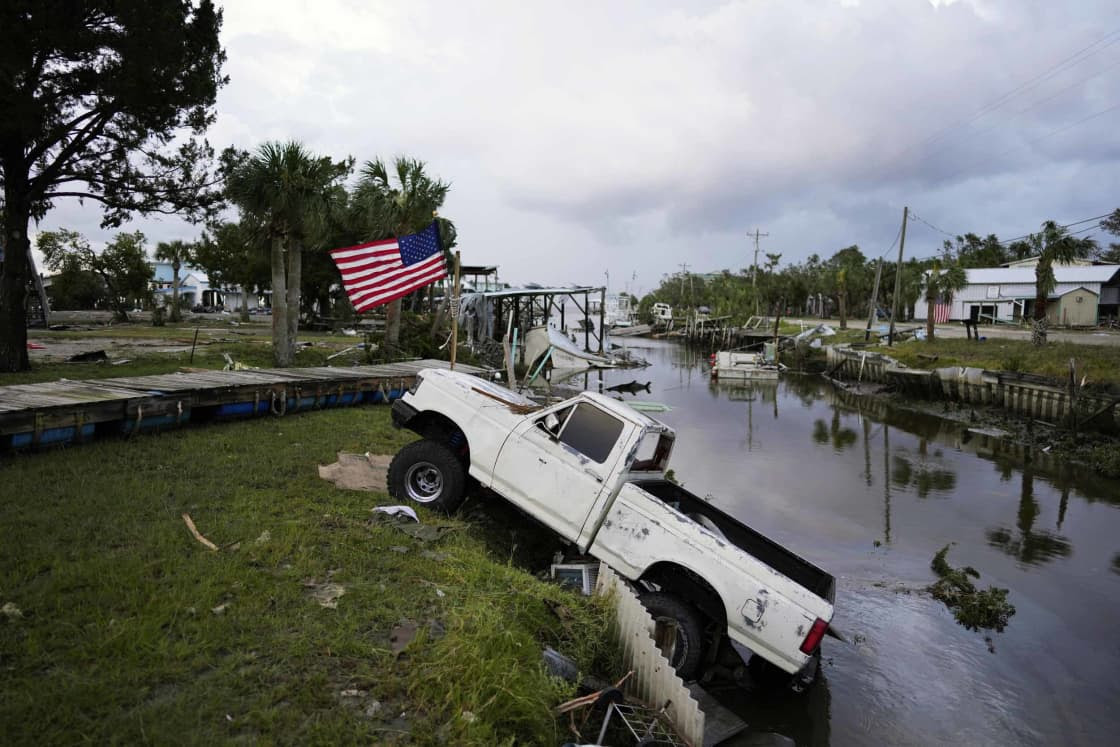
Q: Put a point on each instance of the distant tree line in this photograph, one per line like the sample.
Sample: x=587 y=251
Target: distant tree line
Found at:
x=841 y=286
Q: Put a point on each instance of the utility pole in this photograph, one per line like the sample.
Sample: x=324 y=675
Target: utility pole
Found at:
x=898 y=275
x=684 y=271
x=754 y=270
x=874 y=301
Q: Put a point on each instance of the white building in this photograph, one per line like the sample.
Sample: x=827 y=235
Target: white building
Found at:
x=195 y=289
x=1083 y=294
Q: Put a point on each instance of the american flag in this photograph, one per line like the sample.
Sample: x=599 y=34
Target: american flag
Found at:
x=941 y=312
x=381 y=271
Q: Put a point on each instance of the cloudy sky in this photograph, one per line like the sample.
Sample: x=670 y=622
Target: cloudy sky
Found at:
x=631 y=137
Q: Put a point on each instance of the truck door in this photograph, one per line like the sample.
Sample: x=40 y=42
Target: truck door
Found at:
x=555 y=466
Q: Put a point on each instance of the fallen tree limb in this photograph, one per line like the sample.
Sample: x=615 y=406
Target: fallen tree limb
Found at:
x=194 y=531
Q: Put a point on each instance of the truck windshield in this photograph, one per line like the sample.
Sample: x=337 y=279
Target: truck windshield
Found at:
x=652 y=454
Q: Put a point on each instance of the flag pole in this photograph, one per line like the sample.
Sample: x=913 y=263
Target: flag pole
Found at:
x=455 y=314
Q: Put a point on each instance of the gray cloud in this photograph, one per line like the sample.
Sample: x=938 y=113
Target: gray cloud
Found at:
x=633 y=136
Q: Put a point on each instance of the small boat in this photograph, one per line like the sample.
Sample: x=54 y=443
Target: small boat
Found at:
x=736 y=365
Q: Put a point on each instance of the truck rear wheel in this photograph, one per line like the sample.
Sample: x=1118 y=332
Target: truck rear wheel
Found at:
x=429 y=473
x=685 y=650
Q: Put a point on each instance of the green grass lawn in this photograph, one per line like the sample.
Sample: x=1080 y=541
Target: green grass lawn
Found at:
x=1099 y=363
x=128 y=630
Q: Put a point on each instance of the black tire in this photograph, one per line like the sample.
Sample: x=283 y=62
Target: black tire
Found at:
x=686 y=653
x=428 y=472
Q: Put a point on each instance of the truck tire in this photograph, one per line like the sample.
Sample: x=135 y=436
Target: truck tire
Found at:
x=428 y=472
x=685 y=654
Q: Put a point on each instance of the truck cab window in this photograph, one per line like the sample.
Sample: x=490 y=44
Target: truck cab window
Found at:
x=591 y=432
x=554 y=421
x=652 y=453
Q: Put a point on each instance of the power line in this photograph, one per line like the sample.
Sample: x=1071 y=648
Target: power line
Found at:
x=1024 y=110
x=1077 y=57
x=1074 y=124
x=1006 y=242
x=888 y=249
x=915 y=216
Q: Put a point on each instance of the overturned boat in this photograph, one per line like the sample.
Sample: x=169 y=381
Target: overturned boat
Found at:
x=563 y=353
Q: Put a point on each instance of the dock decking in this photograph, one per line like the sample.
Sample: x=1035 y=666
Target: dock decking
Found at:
x=72 y=411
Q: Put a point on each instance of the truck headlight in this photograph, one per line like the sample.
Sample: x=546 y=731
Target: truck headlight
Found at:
x=416 y=384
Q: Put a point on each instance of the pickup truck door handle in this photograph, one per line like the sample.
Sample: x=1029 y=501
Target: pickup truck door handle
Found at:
x=597 y=478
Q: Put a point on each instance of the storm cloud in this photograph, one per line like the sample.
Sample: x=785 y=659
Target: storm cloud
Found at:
x=636 y=136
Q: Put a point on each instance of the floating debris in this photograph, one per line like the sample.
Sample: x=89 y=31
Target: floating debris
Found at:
x=973 y=608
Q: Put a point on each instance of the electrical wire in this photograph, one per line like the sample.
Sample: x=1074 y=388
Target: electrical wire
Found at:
x=1007 y=242
x=896 y=237
x=915 y=216
x=1024 y=110
x=1076 y=58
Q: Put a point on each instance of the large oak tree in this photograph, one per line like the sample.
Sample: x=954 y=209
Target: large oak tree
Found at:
x=107 y=102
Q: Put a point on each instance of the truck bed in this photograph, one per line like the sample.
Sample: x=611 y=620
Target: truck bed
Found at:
x=742 y=536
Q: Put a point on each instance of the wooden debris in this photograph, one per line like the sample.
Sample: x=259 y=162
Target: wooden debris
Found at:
x=198 y=536
x=515 y=407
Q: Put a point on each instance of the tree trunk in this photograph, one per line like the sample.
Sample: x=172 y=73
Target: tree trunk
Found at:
x=843 y=310
x=281 y=350
x=118 y=304
x=174 y=315
x=14 y=275
x=295 y=277
x=1040 y=324
x=392 y=326
x=929 y=319
x=244 y=303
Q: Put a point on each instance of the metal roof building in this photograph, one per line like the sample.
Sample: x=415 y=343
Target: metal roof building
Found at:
x=1007 y=294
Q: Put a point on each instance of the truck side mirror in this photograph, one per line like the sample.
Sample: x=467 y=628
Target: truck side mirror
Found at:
x=552 y=423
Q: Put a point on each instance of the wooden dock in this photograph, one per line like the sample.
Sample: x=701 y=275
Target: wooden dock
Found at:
x=66 y=411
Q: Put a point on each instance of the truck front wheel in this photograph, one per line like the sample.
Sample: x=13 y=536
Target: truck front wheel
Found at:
x=428 y=472
x=685 y=648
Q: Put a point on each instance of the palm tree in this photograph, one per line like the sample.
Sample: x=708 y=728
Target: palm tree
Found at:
x=942 y=282
x=177 y=253
x=1052 y=244
x=288 y=190
x=842 y=295
x=385 y=209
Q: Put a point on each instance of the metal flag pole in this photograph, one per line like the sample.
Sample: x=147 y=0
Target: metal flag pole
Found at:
x=455 y=313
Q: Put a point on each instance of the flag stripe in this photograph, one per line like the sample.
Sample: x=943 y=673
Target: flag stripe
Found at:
x=351 y=251
x=390 y=282
x=388 y=296
x=382 y=271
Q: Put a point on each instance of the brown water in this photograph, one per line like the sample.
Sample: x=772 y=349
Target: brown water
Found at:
x=871 y=495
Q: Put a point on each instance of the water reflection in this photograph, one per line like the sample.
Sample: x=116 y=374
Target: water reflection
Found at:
x=922 y=472
x=840 y=436
x=1030 y=546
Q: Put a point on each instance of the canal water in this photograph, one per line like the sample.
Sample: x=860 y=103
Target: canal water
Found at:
x=871 y=495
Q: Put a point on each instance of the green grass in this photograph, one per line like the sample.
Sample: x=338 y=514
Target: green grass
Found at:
x=118 y=640
x=1100 y=363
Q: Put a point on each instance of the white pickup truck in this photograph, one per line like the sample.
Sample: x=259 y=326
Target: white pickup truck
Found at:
x=593 y=470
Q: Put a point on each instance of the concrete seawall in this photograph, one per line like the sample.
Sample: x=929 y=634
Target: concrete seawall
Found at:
x=1027 y=395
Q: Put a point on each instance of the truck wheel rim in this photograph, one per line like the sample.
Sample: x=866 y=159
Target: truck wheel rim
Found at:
x=423 y=482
